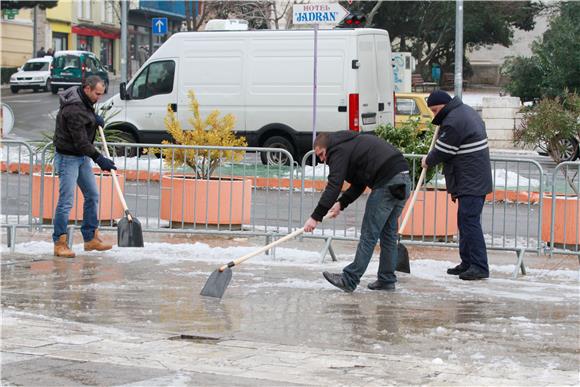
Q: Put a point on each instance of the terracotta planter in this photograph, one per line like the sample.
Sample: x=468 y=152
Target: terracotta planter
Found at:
x=567 y=216
x=434 y=214
x=109 y=205
x=187 y=200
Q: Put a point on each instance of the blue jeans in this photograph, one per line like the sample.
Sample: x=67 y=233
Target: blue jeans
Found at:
x=380 y=221
x=472 y=248
x=73 y=170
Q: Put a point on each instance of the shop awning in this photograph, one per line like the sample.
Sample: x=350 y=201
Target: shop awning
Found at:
x=93 y=31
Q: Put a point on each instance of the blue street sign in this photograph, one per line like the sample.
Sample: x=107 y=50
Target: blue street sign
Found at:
x=159 y=25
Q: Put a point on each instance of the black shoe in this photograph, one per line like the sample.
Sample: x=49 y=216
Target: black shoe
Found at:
x=337 y=280
x=473 y=274
x=457 y=269
x=379 y=285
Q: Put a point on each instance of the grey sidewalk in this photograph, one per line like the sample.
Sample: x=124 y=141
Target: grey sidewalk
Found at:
x=134 y=317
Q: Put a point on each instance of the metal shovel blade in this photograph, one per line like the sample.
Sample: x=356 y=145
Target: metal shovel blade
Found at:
x=403 y=259
x=129 y=233
x=217 y=283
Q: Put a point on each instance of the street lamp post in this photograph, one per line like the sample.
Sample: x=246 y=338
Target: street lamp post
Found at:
x=458 y=48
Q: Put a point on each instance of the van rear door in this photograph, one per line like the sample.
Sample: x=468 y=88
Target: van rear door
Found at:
x=384 y=80
x=367 y=83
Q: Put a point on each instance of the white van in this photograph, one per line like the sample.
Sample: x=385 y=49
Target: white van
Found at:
x=264 y=78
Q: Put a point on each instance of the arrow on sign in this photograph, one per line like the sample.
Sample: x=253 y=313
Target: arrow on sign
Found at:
x=159 y=25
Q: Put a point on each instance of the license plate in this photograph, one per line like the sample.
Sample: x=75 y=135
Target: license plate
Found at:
x=369 y=120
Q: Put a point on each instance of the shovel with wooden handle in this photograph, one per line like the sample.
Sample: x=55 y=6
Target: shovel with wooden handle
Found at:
x=218 y=280
x=403 y=264
x=129 y=232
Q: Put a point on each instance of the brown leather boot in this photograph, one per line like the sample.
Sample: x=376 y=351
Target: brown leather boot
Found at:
x=97 y=243
x=61 y=248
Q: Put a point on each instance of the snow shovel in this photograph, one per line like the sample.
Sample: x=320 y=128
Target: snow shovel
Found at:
x=218 y=280
x=403 y=264
x=129 y=232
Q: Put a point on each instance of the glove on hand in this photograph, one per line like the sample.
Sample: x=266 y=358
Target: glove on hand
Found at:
x=105 y=163
x=100 y=121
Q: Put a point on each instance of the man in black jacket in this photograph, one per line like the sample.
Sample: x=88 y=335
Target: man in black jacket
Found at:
x=364 y=160
x=462 y=148
x=76 y=125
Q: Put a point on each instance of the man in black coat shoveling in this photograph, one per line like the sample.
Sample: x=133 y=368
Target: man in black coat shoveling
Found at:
x=76 y=125
x=462 y=148
x=364 y=160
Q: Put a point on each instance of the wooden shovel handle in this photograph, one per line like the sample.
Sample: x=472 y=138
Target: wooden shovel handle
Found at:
x=265 y=248
x=262 y=249
x=113 y=172
x=418 y=186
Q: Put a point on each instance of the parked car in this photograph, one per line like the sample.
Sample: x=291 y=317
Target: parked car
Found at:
x=70 y=68
x=409 y=105
x=571 y=148
x=35 y=74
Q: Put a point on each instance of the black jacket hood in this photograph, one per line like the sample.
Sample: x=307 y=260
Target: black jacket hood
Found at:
x=341 y=137
x=74 y=95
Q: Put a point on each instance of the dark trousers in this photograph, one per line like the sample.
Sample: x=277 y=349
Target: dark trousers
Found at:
x=471 y=243
x=380 y=221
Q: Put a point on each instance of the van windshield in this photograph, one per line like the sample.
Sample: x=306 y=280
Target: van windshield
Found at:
x=67 y=61
x=35 y=66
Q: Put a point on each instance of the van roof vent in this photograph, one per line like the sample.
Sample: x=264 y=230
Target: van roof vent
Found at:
x=226 y=25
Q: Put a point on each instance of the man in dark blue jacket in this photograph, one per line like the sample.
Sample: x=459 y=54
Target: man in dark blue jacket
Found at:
x=364 y=160
x=462 y=148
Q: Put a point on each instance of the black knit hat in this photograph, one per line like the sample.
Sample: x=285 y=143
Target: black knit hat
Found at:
x=438 y=97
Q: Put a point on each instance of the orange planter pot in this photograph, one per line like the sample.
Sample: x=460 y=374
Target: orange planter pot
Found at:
x=567 y=221
x=201 y=201
x=434 y=214
x=109 y=204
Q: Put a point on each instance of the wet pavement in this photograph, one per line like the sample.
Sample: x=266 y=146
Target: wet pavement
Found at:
x=134 y=316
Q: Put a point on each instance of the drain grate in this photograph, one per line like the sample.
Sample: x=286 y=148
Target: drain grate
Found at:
x=196 y=338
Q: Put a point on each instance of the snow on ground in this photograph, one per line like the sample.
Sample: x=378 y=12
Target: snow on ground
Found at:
x=503 y=179
x=561 y=284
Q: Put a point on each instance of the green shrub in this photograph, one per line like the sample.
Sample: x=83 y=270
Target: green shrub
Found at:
x=550 y=122
x=409 y=139
x=6 y=72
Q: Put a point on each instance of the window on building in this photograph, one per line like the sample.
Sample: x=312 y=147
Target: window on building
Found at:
x=84 y=43
x=84 y=9
x=59 y=41
x=107 y=53
x=156 y=79
x=108 y=11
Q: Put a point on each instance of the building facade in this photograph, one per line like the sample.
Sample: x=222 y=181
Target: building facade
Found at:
x=88 y=25
x=16 y=38
x=142 y=41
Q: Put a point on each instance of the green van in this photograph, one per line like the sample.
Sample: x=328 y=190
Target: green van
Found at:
x=70 y=68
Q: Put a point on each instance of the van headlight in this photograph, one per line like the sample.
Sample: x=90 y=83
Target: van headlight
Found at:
x=13 y=77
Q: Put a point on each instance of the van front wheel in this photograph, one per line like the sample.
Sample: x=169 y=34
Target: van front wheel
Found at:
x=277 y=158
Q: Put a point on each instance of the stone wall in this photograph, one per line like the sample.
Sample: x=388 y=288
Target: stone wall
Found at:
x=499 y=114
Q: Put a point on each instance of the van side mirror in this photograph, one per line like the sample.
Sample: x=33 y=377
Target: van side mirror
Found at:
x=123 y=90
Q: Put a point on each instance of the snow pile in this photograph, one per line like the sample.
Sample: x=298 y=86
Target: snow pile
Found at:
x=320 y=171
x=508 y=179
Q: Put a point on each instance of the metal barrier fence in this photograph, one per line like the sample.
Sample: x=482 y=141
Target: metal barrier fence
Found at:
x=247 y=197
x=272 y=200
x=563 y=210
x=16 y=186
x=511 y=219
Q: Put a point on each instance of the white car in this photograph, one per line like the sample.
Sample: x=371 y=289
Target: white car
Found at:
x=35 y=74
